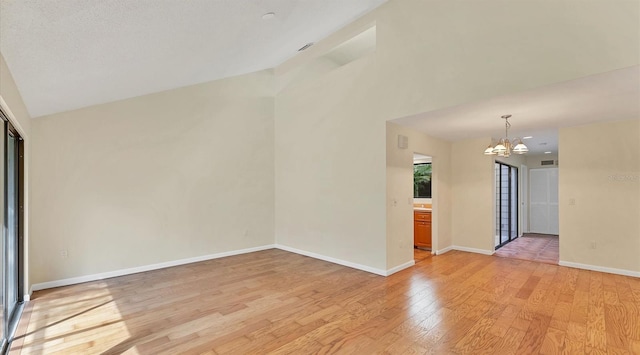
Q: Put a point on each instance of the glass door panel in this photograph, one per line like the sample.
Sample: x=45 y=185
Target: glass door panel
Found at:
x=506 y=204
x=3 y=323
x=513 y=194
x=11 y=215
x=11 y=237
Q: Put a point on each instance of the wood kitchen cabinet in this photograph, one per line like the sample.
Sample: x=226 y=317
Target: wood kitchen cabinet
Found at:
x=422 y=229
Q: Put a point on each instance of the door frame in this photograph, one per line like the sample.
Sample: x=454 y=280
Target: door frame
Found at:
x=10 y=319
x=557 y=170
x=517 y=212
x=524 y=199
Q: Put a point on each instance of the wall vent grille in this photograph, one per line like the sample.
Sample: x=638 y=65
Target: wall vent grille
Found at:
x=305 y=46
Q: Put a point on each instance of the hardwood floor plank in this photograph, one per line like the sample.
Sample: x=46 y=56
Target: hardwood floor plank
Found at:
x=510 y=342
x=596 y=335
x=554 y=342
x=572 y=347
x=535 y=335
x=275 y=302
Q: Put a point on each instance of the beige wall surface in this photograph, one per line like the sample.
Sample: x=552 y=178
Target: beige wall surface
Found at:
x=400 y=192
x=473 y=203
x=330 y=168
x=599 y=191
x=331 y=193
x=162 y=177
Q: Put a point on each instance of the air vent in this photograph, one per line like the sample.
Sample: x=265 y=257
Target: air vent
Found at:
x=305 y=46
x=547 y=162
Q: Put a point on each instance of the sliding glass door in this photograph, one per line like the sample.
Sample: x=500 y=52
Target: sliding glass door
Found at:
x=11 y=213
x=506 y=204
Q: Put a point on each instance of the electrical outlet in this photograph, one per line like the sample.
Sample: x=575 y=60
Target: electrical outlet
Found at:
x=572 y=202
x=64 y=253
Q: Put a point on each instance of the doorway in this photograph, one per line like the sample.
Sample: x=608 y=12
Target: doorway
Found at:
x=12 y=241
x=506 y=204
x=539 y=240
x=422 y=206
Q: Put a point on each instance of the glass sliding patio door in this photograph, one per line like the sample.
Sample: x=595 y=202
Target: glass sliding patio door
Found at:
x=11 y=213
x=506 y=204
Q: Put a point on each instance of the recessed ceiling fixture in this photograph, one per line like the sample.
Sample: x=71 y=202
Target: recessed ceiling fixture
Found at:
x=305 y=46
x=504 y=146
x=268 y=15
x=527 y=137
x=547 y=152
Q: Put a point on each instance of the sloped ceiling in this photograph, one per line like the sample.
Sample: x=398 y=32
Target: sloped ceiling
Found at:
x=75 y=53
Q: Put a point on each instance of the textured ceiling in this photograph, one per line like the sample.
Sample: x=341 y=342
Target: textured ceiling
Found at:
x=539 y=112
x=74 y=53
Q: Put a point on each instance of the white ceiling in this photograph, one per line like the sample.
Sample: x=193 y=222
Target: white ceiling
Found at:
x=539 y=112
x=74 y=53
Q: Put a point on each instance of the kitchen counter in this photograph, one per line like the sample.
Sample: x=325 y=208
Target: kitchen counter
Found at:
x=422 y=209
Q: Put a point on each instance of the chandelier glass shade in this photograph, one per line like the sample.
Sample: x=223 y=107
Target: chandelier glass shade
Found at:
x=505 y=147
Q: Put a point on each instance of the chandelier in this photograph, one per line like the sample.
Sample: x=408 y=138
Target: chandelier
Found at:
x=504 y=146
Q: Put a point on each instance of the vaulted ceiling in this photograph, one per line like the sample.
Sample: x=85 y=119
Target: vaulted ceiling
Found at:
x=75 y=53
x=70 y=54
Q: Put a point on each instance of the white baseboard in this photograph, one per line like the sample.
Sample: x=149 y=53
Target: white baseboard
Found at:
x=400 y=267
x=608 y=270
x=473 y=250
x=134 y=270
x=442 y=251
x=470 y=250
x=334 y=260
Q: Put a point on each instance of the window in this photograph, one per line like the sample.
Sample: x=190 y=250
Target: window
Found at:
x=422 y=180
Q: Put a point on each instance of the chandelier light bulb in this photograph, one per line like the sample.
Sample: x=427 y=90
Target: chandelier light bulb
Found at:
x=504 y=146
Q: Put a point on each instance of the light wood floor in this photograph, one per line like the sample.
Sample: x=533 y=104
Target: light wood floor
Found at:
x=277 y=302
x=544 y=248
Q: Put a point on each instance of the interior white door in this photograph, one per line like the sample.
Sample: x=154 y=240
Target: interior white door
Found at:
x=543 y=201
x=524 y=199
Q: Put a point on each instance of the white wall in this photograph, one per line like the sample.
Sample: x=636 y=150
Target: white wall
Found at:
x=157 y=178
x=600 y=175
